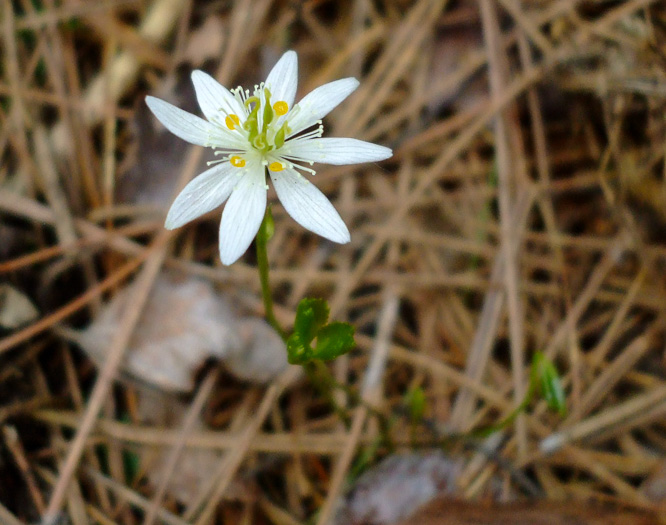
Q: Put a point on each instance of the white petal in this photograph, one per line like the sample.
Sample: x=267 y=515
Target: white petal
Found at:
x=335 y=151
x=203 y=194
x=283 y=79
x=308 y=206
x=243 y=214
x=181 y=123
x=215 y=100
x=320 y=102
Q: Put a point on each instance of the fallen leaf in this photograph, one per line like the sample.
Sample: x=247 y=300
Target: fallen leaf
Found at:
x=206 y=42
x=654 y=487
x=153 y=179
x=396 y=487
x=185 y=323
x=263 y=355
x=16 y=309
x=453 y=512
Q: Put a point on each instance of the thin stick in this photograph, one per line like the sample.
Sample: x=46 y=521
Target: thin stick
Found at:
x=174 y=454
x=235 y=456
x=50 y=320
x=369 y=393
x=505 y=167
x=654 y=401
x=107 y=374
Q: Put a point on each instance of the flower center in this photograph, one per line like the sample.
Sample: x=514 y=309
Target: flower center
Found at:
x=263 y=134
x=263 y=128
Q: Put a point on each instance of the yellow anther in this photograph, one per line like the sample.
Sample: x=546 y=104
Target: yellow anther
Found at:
x=237 y=161
x=232 y=121
x=276 y=166
x=281 y=107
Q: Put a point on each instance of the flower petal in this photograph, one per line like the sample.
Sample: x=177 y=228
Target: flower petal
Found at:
x=320 y=102
x=243 y=214
x=181 y=123
x=334 y=151
x=308 y=206
x=215 y=100
x=203 y=194
x=283 y=79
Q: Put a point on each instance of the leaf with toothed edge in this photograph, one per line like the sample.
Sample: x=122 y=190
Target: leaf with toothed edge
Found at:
x=333 y=340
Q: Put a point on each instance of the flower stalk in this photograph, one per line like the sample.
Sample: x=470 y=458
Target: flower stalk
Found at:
x=263 y=236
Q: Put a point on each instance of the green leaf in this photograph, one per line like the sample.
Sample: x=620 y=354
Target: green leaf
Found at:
x=417 y=403
x=549 y=384
x=334 y=340
x=298 y=351
x=311 y=316
x=132 y=465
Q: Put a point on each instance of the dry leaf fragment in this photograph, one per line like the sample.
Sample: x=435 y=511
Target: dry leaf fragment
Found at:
x=154 y=178
x=184 y=324
x=263 y=355
x=445 y=511
x=654 y=487
x=16 y=309
x=205 y=43
x=397 y=487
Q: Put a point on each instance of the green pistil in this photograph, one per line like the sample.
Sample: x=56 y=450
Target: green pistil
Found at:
x=259 y=143
x=281 y=134
x=268 y=110
x=251 y=124
x=258 y=138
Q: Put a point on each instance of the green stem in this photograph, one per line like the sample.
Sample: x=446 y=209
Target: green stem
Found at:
x=491 y=429
x=508 y=420
x=316 y=370
x=264 y=234
x=321 y=377
x=324 y=381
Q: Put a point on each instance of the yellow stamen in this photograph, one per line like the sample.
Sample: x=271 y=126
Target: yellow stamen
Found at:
x=237 y=161
x=281 y=107
x=276 y=166
x=232 y=121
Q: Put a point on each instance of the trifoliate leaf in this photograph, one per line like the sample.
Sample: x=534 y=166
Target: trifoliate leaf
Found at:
x=333 y=339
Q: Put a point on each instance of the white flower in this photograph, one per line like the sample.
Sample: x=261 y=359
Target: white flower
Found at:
x=253 y=133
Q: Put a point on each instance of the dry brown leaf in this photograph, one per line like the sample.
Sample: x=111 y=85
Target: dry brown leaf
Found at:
x=263 y=355
x=397 y=487
x=185 y=323
x=16 y=309
x=206 y=42
x=451 y=49
x=154 y=178
x=654 y=487
x=453 y=512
